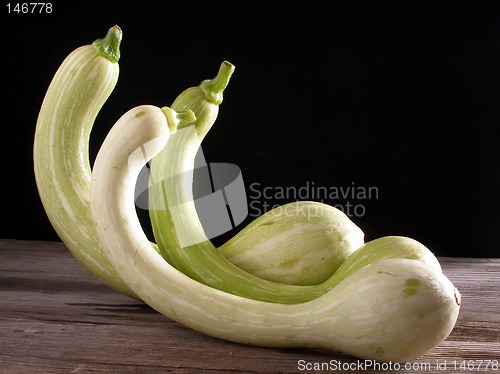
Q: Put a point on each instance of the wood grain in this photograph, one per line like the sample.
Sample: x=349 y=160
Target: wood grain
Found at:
x=55 y=317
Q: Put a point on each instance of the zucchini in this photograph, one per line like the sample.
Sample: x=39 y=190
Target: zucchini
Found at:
x=392 y=310
x=79 y=89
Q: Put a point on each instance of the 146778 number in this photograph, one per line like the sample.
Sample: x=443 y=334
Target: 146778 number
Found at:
x=29 y=8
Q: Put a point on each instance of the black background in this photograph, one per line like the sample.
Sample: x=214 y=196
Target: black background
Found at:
x=403 y=96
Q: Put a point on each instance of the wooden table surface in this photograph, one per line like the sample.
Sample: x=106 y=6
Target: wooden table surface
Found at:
x=55 y=317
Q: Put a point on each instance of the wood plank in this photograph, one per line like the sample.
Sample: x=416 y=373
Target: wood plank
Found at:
x=55 y=317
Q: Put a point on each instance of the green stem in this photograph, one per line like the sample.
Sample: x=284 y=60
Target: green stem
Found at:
x=109 y=46
x=213 y=88
x=178 y=120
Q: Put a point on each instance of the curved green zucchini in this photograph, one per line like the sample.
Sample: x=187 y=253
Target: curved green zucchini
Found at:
x=179 y=233
x=176 y=226
x=393 y=310
x=79 y=89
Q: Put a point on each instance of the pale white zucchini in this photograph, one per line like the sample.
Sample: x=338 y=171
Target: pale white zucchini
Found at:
x=79 y=89
x=393 y=310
